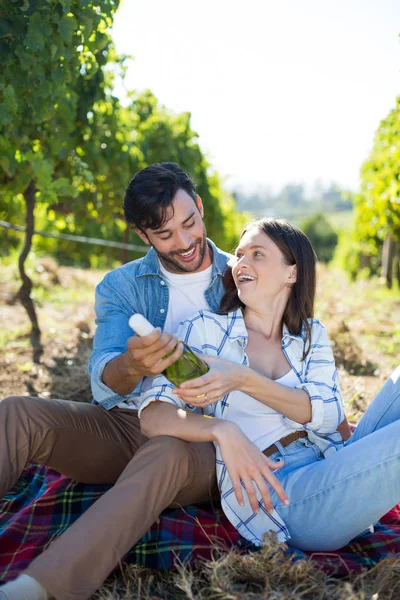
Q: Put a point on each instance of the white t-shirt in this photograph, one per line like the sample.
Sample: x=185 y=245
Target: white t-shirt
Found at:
x=262 y=424
x=186 y=297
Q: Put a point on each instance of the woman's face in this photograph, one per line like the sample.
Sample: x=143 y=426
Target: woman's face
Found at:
x=259 y=270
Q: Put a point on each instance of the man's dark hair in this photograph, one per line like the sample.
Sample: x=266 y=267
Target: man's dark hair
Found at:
x=150 y=193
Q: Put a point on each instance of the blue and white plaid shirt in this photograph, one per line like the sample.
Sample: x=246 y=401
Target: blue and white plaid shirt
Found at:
x=226 y=336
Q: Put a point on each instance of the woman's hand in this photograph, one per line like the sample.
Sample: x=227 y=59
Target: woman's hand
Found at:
x=223 y=377
x=248 y=465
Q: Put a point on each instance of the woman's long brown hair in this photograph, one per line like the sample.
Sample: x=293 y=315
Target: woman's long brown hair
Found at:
x=297 y=250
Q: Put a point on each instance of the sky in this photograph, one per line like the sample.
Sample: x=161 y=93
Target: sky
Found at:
x=280 y=91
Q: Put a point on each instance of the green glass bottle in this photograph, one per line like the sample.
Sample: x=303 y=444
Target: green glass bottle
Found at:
x=188 y=366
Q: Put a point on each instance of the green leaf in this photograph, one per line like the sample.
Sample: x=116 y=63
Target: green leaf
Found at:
x=38 y=32
x=67 y=27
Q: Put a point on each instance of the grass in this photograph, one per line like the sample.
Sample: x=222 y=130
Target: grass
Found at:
x=265 y=575
x=363 y=320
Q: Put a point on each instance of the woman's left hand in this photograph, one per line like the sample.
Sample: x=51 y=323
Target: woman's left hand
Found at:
x=222 y=378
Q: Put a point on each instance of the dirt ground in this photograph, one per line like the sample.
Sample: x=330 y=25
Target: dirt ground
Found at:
x=66 y=318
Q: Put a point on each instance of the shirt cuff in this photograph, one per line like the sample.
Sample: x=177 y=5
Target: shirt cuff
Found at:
x=324 y=416
x=100 y=390
x=317 y=409
x=162 y=394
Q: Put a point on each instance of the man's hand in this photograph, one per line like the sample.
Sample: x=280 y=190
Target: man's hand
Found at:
x=144 y=357
x=248 y=465
x=151 y=354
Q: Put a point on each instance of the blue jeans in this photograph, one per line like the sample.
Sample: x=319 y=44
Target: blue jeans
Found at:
x=334 y=500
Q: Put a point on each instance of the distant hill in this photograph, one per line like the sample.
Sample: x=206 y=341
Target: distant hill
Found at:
x=293 y=201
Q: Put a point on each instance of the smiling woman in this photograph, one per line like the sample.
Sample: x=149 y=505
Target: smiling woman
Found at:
x=274 y=395
x=280 y=256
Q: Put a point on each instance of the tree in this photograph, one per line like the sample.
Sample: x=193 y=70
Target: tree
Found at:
x=377 y=206
x=322 y=236
x=51 y=58
x=68 y=146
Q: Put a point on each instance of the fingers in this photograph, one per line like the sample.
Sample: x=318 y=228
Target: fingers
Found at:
x=274 y=465
x=260 y=479
x=265 y=494
x=194 y=391
x=237 y=487
x=191 y=385
x=156 y=343
x=139 y=342
x=164 y=354
x=153 y=353
x=251 y=493
x=276 y=486
x=169 y=360
x=198 y=397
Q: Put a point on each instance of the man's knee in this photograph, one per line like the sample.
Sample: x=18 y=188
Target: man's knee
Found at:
x=20 y=404
x=198 y=453
x=168 y=454
x=11 y=404
x=23 y=413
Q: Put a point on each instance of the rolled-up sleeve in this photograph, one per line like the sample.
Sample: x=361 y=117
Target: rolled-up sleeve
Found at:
x=112 y=333
x=321 y=383
x=159 y=389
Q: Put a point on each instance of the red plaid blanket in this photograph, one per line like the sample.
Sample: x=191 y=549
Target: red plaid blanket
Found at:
x=44 y=503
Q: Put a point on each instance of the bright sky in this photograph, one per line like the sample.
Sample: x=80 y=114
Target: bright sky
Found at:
x=279 y=90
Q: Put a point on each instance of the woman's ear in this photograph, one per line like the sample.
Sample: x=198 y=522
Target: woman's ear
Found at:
x=293 y=274
x=199 y=205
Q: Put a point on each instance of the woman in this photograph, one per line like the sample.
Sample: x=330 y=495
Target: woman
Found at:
x=273 y=392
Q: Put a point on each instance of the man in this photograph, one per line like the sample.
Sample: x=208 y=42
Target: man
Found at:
x=102 y=442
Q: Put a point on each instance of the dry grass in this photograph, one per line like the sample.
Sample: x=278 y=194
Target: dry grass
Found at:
x=265 y=575
x=363 y=320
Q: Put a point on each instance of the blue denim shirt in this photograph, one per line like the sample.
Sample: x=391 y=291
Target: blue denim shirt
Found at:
x=135 y=287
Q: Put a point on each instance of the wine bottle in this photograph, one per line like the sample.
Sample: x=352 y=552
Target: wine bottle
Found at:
x=188 y=366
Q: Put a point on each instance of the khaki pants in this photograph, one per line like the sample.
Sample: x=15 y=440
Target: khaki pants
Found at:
x=92 y=445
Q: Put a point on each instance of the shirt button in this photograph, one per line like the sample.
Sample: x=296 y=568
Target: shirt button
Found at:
x=162 y=310
x=162 y=282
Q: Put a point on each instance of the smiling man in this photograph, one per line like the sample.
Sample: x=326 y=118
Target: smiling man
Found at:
x=182 y=273
x=102 y=442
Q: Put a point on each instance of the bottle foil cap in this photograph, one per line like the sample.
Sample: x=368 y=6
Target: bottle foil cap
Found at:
x=140 y=325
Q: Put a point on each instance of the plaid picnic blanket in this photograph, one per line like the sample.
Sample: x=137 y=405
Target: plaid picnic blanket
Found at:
x=44 y=503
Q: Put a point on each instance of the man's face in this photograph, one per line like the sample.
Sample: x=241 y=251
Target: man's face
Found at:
x=181 y=241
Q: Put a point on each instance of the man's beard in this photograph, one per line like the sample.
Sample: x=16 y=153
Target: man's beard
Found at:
x=172 y=263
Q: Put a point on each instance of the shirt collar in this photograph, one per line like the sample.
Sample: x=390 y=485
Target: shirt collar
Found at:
x=286 y=333
x=237 y=328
